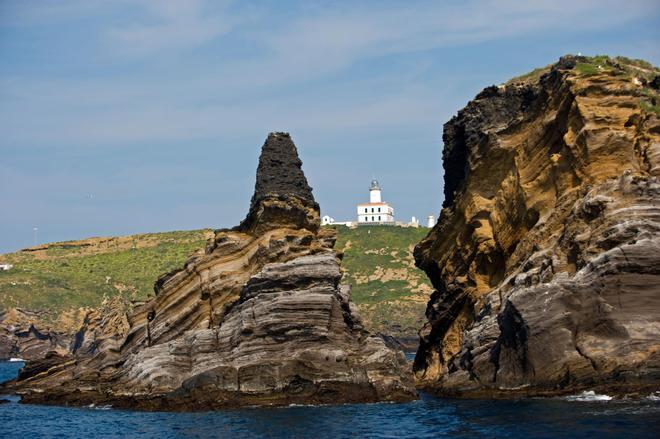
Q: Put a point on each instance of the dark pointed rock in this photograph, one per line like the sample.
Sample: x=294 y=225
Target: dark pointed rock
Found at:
x=280 y=170
x=282 y=195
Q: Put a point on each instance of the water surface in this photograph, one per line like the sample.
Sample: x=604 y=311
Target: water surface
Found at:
x=429 y=417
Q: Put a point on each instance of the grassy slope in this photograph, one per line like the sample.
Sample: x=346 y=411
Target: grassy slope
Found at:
x=390 y=292
x=70 y=275
x=59 y=277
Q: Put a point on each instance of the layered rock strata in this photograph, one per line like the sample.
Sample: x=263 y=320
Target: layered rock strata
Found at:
x=546 y=257
x=258 y=319
x=24 y=335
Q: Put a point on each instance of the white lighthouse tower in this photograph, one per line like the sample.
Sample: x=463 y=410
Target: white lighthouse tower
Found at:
x=374 y=193
x=375 y=211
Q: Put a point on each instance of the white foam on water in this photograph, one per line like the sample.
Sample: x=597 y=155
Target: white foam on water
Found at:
x=588 y=396
x=100 y=407
x=15 y=360
x=655 y=396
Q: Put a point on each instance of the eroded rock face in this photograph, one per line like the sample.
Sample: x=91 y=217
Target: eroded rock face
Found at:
x=258 y=319
x=282 y=197
x=23 y=334
x=546 y=257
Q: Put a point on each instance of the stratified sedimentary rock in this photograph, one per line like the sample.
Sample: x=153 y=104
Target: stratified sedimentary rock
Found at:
x=546 y=258
x=258 y=319
x=23 y=334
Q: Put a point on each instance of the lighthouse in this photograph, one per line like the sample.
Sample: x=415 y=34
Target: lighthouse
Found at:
x=374 y=193
x=376 y=211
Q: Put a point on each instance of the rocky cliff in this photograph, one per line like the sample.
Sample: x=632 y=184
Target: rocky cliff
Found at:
x=24 y=335
x=258 y=319
x=546 y=257
x=33 y=335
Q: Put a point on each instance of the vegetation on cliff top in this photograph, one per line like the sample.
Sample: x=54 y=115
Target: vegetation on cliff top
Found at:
x=619 y=66
x=390 y=292
x=591 y=65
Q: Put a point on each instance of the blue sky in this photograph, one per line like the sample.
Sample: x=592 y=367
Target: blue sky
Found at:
x=120 y=117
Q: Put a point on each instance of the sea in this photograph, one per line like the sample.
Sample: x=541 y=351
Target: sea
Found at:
x=586 y=415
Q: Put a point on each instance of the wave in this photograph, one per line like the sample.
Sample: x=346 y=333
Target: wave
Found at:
x=100 y=407
x=588 y=396
x=16 y=360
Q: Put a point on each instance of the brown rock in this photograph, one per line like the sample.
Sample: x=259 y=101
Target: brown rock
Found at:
x=546 y=257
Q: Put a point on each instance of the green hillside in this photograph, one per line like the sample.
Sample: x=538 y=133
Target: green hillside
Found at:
x=60 y=277
x=389 y=290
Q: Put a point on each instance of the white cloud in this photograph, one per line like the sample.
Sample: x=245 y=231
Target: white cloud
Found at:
x=217 y=96
x=171 y=24
x=152 y=119
x=331 y=39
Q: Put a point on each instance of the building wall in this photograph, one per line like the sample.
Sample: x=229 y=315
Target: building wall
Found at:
x=369 y=213
x=375 y=218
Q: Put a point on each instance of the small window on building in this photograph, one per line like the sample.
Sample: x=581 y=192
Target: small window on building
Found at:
x=379 y=210
x=379 y=218
x=366 y=210
x=372 y=219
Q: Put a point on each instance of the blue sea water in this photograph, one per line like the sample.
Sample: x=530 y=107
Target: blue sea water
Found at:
x=429 y=417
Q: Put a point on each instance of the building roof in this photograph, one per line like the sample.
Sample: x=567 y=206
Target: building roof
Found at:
x=373 y=204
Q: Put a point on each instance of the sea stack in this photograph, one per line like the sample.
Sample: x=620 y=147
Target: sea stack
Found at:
x=259 y=318
x=546 y=256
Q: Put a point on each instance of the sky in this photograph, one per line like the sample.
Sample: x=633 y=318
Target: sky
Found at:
x=131 y=116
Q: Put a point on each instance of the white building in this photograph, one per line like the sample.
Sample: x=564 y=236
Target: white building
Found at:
x=375 y=211
x=327 y=220
x=430 y=223
x=5 y=267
